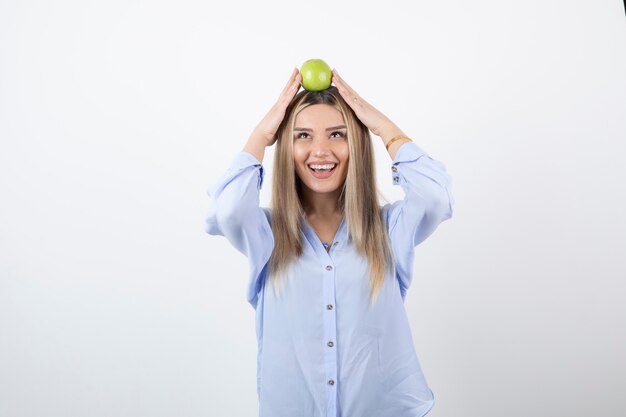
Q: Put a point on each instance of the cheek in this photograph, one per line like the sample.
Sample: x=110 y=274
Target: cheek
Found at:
x=299 y=158
x=344 y=153
x=297 y=155
x=345 y=156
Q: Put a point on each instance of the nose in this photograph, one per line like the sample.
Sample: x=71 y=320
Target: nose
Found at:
x=321 y=147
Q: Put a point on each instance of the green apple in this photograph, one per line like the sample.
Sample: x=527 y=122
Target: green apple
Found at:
x=316 y=75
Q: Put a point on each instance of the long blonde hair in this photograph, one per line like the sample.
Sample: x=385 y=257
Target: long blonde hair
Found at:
x=358 y=200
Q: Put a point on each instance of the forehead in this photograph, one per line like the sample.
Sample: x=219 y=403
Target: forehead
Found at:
x=319 y=115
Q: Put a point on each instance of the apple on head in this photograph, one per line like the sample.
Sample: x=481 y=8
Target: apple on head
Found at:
x=316 y=75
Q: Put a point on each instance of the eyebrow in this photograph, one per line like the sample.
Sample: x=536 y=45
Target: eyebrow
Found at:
x=304 y=129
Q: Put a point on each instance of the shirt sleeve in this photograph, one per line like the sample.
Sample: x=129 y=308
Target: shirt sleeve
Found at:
x=235 y=214
x=428 y=201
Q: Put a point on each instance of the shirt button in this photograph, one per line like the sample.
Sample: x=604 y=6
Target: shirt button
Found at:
x=335 y=243
x=394 y=168
x=329 y=307
x=328 y=267
x=396 y=179
x=331 y=382
x=330 y=344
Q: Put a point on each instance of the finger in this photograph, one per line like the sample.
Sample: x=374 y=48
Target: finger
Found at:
x=348 y=94
x=294 y=75
x=345 y=90
x=340 y=84
x=293 y=88
x=344 y=85
x=290 y=90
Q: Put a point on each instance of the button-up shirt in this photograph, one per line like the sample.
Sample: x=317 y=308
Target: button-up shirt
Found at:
x=322 y=351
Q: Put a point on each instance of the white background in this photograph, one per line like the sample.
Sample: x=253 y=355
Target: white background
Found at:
x=115 y=116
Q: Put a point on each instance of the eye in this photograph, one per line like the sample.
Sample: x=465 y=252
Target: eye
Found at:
x=339 y=133
x=299 y=135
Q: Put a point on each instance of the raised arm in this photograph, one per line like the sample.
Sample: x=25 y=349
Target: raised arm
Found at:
x=428 y=201
x=427 y=186
x=234 y=211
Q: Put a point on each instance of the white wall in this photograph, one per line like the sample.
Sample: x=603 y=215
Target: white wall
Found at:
x=115 y=116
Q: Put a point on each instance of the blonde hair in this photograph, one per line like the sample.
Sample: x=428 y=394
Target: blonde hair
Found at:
x=358 y=200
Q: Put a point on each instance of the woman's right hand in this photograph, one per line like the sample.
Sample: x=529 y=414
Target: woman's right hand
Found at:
x=268 y=126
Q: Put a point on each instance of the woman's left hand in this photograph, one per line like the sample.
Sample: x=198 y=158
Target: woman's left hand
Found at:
x=378 y=123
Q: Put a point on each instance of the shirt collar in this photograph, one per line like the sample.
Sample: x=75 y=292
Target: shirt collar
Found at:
x=339 y=239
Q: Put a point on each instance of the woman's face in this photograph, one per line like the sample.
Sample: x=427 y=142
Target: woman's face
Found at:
x=320 y=138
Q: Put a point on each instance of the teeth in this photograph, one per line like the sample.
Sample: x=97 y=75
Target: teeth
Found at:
x=329 y=166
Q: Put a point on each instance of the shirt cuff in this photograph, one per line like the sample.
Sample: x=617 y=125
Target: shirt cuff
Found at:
x=407 y=152
x=245 y=159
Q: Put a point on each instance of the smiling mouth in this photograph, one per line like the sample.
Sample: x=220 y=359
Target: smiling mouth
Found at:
x=322 y=172
x=326 y=168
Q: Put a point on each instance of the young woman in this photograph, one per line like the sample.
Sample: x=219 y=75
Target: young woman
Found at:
x=330 y=266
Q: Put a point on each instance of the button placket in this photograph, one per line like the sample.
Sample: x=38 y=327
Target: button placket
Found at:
x=330 y=330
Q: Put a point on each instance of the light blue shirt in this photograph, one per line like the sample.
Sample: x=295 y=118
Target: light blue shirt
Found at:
x=321 y=350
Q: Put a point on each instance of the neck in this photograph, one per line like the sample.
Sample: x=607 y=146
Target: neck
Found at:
x=321 y=205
